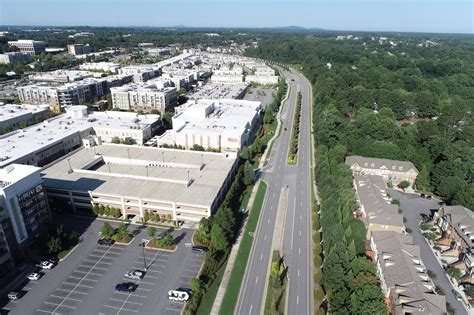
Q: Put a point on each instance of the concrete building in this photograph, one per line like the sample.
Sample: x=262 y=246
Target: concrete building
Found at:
x=181 y=185
x=82 y=35
x=13 y=116
x=12 y=57
x=141 y=73
x=403 y=276
x=144 y=97
x=78 y=49
x=24 y=211
x=224 y=125
x=159 y=52
x=390 y=170
x=375 y=209
x=60 y=76
x=456 y=224
x=27 y=46
x=107 y=67
x=228 y=75
x=262 y=79
x=43 y=143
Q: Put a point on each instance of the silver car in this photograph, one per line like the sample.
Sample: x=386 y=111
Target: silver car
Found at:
x=135 y=274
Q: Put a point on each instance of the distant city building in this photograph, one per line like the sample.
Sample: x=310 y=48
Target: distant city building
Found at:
x=224 y=125
x=390 y=170
x=78 y=49
x=178 y=185
x=12 y=57
x=146 y=45
x=219 y=91
x=45 y=142
x=27 y=46
x=144 y=97
x=82 y=35
x=107 y=67
x=141 y=73
x=228 y=75
x=60 y=76
x=24 y=211
x=158 y=52
x=13 y=116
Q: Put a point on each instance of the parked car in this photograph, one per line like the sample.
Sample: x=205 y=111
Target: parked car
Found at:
x=457 y=295
x=126 y=287
x=106 y=242
x=199 y=250
x=286 y=129
x=135 y=274
x=422 y=195
x=178 y=295
x=34 y=276
x=45 y=264
x=428 y=197
x=14 y=295
x=465 y=286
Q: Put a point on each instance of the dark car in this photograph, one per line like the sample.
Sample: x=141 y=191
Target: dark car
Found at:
x=428 y=197
x=126 y=287
x=286 y=129
x=106 y=242
x=422 y=195
x=199 y=250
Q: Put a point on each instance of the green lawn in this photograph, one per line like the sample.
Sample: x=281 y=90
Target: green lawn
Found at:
x=237 y=274
x=208 y=299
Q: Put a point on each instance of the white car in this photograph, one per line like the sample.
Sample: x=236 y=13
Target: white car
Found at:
x=34 y=276
x=45 y=264
x=178 y=295
x=135 y=274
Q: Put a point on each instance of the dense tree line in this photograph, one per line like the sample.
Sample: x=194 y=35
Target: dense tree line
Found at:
x=406 y=102
x=409 y=101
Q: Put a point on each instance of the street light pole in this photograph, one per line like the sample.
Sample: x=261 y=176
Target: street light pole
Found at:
x=128 y=152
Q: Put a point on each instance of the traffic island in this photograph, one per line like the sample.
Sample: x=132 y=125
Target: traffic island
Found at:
x=277 y=283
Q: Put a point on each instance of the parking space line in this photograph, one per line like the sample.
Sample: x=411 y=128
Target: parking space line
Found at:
x=77 y=285
x=59 y=305
x=60 y=289
x=172 y=309
x=121 y=308
x=142 y=289
x=90 y=273
x=125 y=301
x=155 y=271
x=93 y=261
x=40 y=310
x=146 y=282
x=93 y=267
x=131 y=294
x=152 y=277
x=83 y=279
x=63 y=297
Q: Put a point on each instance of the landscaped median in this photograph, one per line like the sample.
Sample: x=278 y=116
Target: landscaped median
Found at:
x=275 y=299
x=295 y=131
x=163 y=242
x=120 y=235
x=237 y=275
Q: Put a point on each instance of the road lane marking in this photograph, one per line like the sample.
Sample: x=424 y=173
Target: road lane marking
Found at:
x=298 y=273
x=261 y=257
x=121 y=308
x=299 y=250
x=256 y=279
x=297 y=300
x=251 y=306
x=265 y=238
x=268 y=221
x=300 y=232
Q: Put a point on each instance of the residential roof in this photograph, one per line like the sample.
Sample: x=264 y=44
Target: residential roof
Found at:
x=405 y=275
x=371 y=190
x=462 y=219
x=375 y=163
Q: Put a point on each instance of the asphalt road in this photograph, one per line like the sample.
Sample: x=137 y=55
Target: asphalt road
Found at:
x=84 y=282
x=412 y=207
x=297 y=244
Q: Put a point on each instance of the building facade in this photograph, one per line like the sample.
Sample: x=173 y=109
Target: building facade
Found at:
x=144 y=97
x=30 y=47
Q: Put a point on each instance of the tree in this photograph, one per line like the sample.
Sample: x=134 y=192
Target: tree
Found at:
x=115 y=140
x=454 y=273
x=405 y=184
x=151 y=232
x=268 y=117
x=203 y=232
x=54 y=245
x=167 y=240
x=368 y=300
x=107 y=230
x=129 y=141
x=249 y=174
x=218 y=238
x=167 y=120
x=197 y=147
x=363 y=279
x=122 y=230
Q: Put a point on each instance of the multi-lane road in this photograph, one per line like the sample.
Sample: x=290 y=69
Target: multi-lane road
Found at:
x=297 y=227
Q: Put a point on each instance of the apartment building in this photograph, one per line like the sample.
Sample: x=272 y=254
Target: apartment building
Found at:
x=404 y=280
x=24 y=211
x=27 y=46
x=141 y=73
x=61 y=76
x=390 y=170
x=144 y=97
x=457 y=235
x=224 y=125
x=13 y=116
x=106 y=67
x=47 y=141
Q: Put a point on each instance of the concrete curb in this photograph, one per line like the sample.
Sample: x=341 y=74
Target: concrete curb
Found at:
x=70 y=252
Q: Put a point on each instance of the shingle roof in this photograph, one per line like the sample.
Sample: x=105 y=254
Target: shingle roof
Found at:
x=374 y=163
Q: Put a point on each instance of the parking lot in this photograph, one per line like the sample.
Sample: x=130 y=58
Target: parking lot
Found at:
x=85 y=282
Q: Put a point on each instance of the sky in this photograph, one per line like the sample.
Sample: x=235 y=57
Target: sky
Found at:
x=440 y=16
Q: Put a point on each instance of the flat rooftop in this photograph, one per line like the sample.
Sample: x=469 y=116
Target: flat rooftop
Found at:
x=218 y=91
x=19 y=143
x=146 y=172
x=11 y=111
x=14 y=173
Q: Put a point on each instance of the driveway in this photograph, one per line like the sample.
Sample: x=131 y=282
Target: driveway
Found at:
x=413 y=206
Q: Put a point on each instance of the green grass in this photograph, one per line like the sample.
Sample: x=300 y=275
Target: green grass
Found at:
x=237 y=274
x=208 y=299
x=271 y=307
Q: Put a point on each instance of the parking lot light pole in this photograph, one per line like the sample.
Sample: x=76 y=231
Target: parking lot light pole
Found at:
x=144 y=260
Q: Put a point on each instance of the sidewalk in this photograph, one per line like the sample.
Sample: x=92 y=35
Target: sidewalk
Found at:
x=231 y=260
